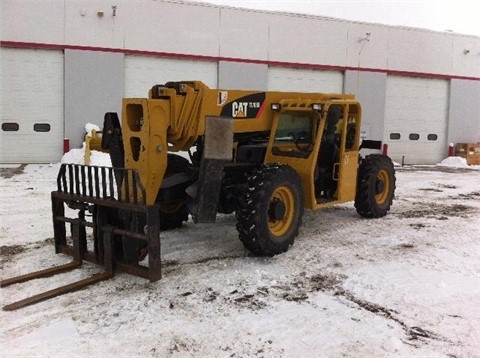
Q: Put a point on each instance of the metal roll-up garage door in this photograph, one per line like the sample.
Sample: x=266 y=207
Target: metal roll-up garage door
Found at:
x=416 y=119
x=304 y=80
x=143 y=72
x=31 y=106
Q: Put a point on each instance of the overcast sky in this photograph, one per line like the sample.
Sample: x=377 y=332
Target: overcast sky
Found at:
x=461 y=16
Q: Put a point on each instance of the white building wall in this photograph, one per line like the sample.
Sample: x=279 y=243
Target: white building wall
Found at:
x=466 y=56
x=167 y=40
x=33 y=26
x=367 y=46
x=182 y=28
x=85 y=25
x=316 y=41
x=419 y=51
x=304 y=80
x=244 y=34
x=142 y=73
x=170 y=27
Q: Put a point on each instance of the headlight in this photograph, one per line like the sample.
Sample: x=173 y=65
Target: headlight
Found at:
x=275 y=107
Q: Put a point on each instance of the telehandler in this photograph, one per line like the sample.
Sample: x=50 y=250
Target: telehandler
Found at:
x=266 y=156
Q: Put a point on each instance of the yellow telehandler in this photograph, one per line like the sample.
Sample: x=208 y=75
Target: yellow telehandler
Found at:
x=266 y=156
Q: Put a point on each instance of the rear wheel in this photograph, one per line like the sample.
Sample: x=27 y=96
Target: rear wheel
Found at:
x=271 y=210
x=375 y=186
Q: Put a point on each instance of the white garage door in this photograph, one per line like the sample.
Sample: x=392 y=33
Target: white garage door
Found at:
x=31 y=106
x=304 y=80
x=416 y=119
x=142 y=73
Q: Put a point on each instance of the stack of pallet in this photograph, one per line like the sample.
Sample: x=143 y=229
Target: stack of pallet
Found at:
x=469 y=151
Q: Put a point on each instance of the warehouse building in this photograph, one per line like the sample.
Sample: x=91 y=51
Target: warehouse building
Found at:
x=65 y=63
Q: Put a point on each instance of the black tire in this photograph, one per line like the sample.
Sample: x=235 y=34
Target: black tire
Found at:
x=375 y=186
x=127 y=249
x=271 y=210
x=174 y=214
x=171 y=216
x=101 y=218
x=133 y=250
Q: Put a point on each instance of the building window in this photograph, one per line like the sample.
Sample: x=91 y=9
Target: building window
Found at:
x=10 y=127
x=432 y=137
x=41 y=127
x=413 y=136
x=395 y=136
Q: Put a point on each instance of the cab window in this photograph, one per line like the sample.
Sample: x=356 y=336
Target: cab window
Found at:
x=294 y=134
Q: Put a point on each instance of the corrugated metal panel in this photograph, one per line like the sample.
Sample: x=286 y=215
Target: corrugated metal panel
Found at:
x=31 y=96
x=304 y=80
x=141 y=73
x=416 y=112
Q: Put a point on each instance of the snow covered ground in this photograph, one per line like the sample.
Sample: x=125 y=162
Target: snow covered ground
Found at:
x=404 y=285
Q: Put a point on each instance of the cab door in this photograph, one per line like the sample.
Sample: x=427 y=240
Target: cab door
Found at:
x=347 y=167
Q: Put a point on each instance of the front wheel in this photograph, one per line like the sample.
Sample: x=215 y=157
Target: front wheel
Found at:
x=271 y=210
x=174 y=213
x=375 y=186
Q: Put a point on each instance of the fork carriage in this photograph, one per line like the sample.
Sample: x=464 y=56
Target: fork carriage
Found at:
x=124 y=229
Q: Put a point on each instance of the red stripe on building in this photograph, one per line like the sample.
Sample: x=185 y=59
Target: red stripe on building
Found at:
x=45 y=46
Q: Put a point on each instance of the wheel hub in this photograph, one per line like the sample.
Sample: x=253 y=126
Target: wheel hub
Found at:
x=382 y=186
x=277 y=210
x=379 y=186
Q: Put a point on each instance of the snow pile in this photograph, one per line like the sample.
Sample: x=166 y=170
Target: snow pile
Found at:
x=455 y=162
x=74 y=156
x=89 y=127
x=100 y=159
x=77 y=156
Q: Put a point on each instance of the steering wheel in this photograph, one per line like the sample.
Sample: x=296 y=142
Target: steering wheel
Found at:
x=302 y=143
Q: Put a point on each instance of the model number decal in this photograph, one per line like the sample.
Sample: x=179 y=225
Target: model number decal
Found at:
x=240 y=109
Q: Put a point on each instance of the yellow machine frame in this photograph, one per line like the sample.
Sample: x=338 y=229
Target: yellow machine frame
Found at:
x=171 y=120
